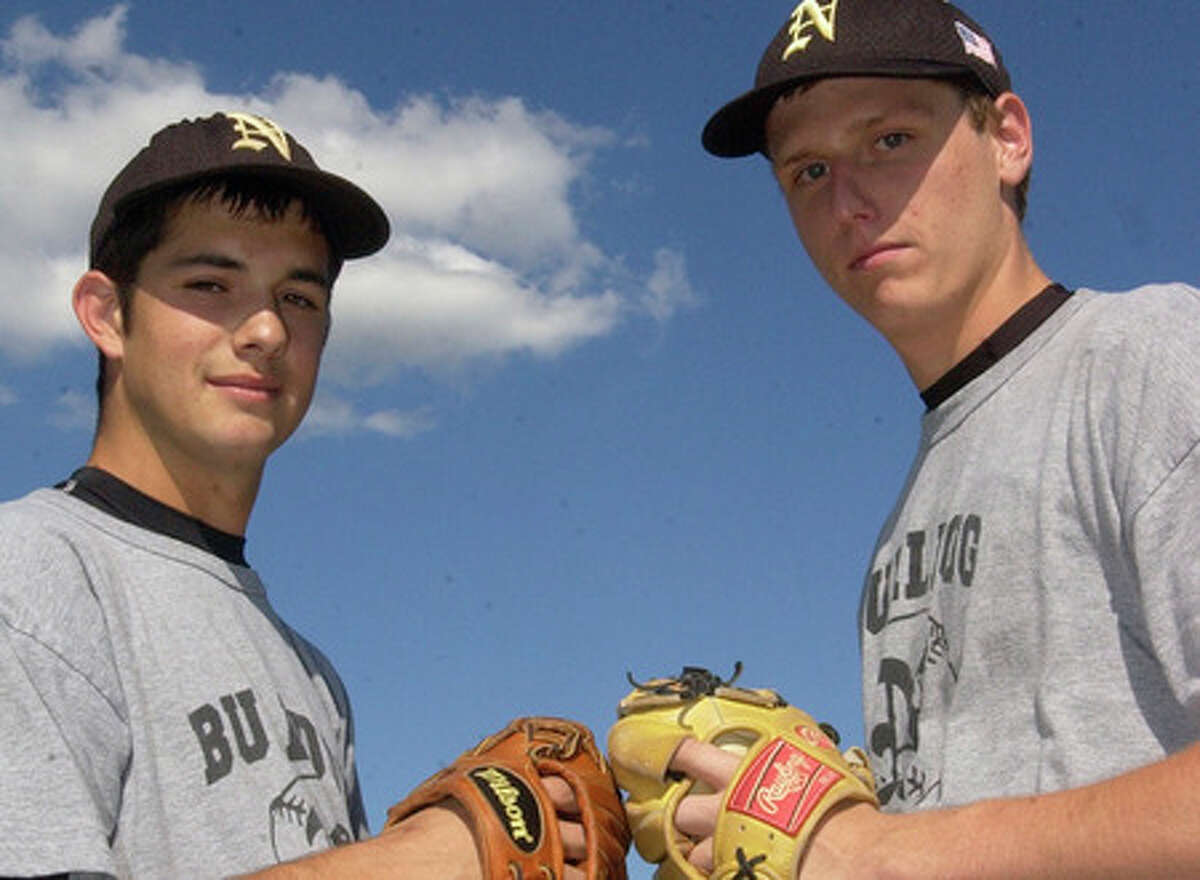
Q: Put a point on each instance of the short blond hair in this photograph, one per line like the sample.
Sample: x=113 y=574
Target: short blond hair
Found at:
x=985 y=116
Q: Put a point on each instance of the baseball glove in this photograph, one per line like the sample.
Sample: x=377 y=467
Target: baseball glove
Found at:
x=498 y=783
x=790 y=776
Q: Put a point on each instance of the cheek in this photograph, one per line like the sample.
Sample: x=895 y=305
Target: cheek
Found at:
x=305 y=350
x=961 y=184
x=160 y=351
x=311 y=336
x=816 y=239
x=801 y=223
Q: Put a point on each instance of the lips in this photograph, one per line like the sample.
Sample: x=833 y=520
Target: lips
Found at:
x=248 y=385
x=875 y=256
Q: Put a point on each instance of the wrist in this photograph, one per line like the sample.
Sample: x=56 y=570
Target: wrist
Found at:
x=444 y=836
x=848 y=843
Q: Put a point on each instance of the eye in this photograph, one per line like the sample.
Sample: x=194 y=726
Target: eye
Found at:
x=299 y=299
x=205 y=285
x=811 y=173
x=893 y=140
x=309 y=302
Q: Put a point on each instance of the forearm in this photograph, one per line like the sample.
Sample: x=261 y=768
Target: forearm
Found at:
x=434 y=844
x=1142 y=824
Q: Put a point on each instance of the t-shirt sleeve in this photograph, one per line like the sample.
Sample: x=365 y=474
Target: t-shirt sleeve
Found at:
x=1165 y=539
x=64 y=743
x=324 y=672
x=1156 y=423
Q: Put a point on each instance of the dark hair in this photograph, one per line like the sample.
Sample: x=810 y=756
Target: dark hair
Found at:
x=140 y=228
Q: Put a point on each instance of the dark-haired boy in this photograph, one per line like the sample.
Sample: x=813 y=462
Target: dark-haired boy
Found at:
x=1030 y=624
x=159 y=719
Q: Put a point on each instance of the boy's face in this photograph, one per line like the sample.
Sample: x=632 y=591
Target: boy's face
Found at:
x=218 y=366
x=896 y=197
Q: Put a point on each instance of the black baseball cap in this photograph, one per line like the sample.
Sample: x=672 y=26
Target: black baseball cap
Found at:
x=243 y=143
x=822 y=38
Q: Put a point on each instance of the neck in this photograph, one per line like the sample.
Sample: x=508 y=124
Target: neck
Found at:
x=221 y=495
x=929 y=352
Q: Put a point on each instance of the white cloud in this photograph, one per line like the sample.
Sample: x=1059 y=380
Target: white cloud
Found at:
x=668 y=289
x=7 y=396
x=400 y=424
x=333 y=415
x=428 y=302
x=488 y=259
x=74 y=411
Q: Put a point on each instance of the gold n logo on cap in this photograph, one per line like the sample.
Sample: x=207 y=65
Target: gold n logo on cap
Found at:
x=258 y=133
x=810 y=16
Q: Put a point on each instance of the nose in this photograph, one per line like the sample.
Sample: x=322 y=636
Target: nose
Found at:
x=851 y=201
x=262 y=333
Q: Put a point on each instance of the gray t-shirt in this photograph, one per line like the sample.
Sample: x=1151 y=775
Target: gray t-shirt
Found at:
x=158 y=719
x=1031 y=618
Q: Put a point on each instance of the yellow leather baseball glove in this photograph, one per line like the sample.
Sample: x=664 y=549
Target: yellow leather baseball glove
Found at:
x=791 y=774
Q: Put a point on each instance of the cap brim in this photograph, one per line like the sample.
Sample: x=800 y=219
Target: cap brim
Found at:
x=349 y=214
x=739 y=128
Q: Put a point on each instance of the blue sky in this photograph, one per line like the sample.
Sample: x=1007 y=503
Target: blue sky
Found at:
x=591 y=411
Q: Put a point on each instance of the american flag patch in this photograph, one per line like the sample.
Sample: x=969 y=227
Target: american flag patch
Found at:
x=974 y=44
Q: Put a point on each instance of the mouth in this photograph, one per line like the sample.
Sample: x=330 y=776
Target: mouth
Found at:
x=248 y=387
x=875 y=256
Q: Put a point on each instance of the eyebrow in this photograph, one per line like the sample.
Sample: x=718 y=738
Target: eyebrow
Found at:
x=221 y=261
x=917 y=107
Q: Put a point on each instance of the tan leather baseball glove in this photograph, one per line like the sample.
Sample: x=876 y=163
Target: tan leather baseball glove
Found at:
x=499 y=785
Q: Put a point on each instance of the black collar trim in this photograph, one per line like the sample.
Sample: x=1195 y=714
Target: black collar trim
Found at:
x=116 y=497
x=1004 y=339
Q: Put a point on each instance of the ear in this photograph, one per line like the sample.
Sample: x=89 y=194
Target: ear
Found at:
x=98 y=310
x=1014 y=139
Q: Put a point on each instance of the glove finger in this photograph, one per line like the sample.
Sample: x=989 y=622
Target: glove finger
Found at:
x=701 y=856
x=641 y=752
x=696 y=815
x=705 y=762
x=561 y=795
x=574 y=841
x=649 y=826
x=600 y=810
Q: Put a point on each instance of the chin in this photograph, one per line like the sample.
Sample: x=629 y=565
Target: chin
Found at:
x=251 y=445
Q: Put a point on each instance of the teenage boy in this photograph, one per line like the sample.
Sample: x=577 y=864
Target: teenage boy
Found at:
x=158 y=718
x=1030 y=623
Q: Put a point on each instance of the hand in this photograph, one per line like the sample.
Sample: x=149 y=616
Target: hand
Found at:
x=445 y=829
x=573 y=837
x=697 y=813
x=831 y=849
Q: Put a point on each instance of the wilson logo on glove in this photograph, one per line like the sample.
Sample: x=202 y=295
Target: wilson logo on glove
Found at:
x=514 y=803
